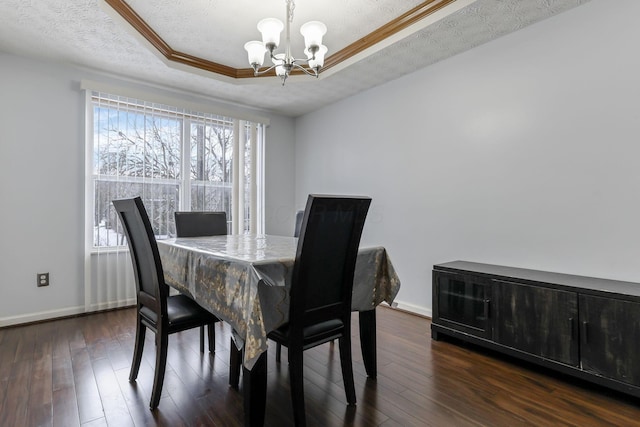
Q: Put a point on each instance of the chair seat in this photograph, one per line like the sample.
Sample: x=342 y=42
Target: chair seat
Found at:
x=184 y=313
x=315 y=334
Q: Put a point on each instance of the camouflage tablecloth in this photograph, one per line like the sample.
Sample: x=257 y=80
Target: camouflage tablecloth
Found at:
x=245 y=281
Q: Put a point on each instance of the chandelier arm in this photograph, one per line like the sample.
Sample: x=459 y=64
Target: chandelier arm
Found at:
x=273 y=57
x=302 y=60
x=306 y=71
x=290 y=59
x=257 y=72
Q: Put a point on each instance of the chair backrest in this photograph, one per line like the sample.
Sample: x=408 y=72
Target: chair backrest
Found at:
x=195 y=224
x=151 y=289
x=325 y=259
x=296 y=230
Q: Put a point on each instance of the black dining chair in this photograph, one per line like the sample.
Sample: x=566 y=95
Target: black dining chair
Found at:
x=196 y=224
x=296 y=233
x=156 y=309
x=321 y=288
x=296 y=229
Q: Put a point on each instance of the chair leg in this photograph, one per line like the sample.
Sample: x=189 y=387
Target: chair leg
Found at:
x=278 y=351
x=162 y=341
x=347 y=369
x=235 y=363
x=368 y=341
x=212 y=337
x=201 y=339
x=254 y=390
x=296 y=379
x=137 y=351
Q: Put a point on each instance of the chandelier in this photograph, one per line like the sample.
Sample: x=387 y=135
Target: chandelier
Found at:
x=284 y=63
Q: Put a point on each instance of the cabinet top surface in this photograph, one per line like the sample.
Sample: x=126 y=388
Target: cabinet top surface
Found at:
x=560 y=279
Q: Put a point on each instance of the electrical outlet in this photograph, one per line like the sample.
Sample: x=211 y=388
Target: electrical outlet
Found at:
x=43 y=279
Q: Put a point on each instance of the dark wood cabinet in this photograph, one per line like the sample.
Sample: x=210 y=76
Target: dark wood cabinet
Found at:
x=610 y=338
x=581 y=326
x=463 y=302
x=537 y=320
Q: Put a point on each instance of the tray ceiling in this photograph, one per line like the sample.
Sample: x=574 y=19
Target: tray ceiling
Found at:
x=91 y=33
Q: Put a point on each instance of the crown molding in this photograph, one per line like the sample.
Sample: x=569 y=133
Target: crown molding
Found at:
x=402 y=22
x=398 y=24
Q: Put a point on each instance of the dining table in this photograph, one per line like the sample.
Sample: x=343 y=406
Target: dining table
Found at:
x=244 y=279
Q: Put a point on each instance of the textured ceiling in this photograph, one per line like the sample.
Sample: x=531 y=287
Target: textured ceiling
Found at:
x=202 y=27
x=89 y=33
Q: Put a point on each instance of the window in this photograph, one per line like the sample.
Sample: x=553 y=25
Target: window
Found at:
x=175 y=160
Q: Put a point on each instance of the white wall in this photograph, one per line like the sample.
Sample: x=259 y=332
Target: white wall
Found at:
x=521 y=152
x=42 y=179
x=42 y=184
x=279 y=195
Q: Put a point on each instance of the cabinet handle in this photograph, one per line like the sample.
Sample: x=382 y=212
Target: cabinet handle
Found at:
x=486 y=308
x=572 y=327
x=585 y=331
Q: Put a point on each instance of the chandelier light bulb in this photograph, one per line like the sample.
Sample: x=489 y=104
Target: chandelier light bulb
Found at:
x=278 y=61
x=313 y=32
x=318 y=62
x=255 y=51
x=270 y=29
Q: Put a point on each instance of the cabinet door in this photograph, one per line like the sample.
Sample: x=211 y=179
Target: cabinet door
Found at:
x=610 y=333
x=536 y=320
x=461 y=302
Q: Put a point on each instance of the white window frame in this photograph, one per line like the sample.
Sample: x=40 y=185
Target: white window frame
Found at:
x=257 y=196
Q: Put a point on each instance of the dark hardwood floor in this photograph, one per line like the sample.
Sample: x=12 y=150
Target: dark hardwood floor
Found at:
x=75 y=372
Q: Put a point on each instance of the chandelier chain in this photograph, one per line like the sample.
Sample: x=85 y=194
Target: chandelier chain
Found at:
x=291 y=5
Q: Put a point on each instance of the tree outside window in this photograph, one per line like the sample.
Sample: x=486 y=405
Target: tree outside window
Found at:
x=174 y=159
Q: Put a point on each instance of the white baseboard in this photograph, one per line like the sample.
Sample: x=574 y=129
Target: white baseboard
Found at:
x=42 y=315
x=72 y=311
x=412 y=308
x=63 y=312
x=111 y=305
